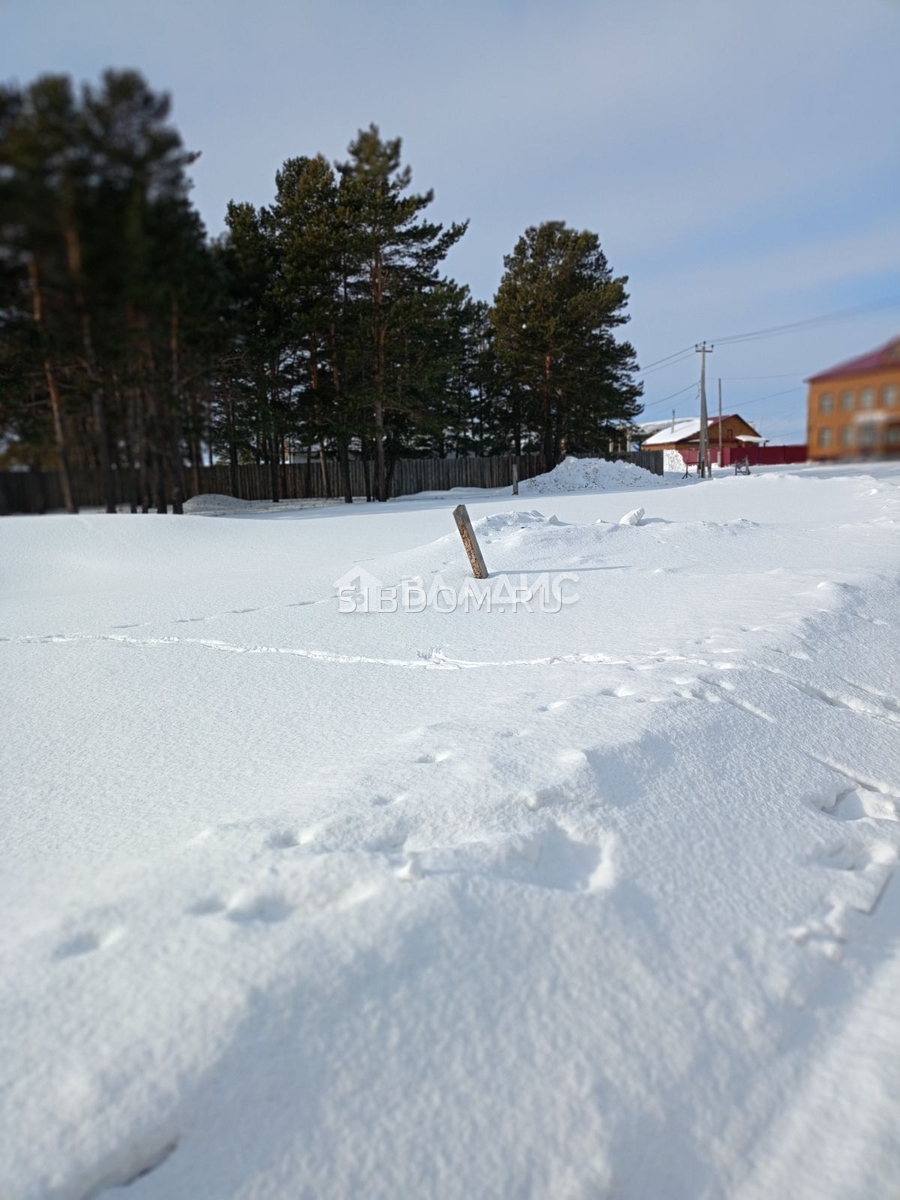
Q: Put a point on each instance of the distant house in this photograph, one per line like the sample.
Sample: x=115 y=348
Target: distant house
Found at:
x=854 y=408
x=683 y=434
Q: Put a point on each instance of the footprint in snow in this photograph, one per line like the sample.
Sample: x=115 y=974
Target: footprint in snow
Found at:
x=859 y=803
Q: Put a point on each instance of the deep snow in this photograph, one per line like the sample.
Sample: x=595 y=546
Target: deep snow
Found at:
x=513 y=904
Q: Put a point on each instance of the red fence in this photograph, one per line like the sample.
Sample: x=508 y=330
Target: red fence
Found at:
x=757 y=456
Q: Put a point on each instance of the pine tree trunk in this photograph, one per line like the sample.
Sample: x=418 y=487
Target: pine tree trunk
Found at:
x=380 y=473
x=174 y=424
x=367 y=475
x=98 y=407
x=272 y=444
x=65 y=472
x=59 y=433
x=343 y=451
x=380 y=372
x=98 y=399
x=195 y=466
x=548 y=446
x=233 y=451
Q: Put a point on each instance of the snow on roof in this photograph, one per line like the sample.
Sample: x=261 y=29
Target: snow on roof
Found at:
x=686 y=428
x=746 y=437
x=649 y=427
x=882 y=359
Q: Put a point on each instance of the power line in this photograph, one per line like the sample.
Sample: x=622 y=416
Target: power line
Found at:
x=680 y=392
x=649 y=366
x=665 y=366
x=772 y=395
x=774 y=330
x=739 y=378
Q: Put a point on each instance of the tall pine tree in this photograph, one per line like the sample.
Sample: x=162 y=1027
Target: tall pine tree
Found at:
x=400 y=254
x=554 y=317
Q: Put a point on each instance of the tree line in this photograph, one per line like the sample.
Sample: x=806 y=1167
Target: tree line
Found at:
x=321 y=324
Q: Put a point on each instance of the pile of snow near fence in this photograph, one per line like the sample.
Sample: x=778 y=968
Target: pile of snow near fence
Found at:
x=213 y=502
x=590 y=474
x=588 y=901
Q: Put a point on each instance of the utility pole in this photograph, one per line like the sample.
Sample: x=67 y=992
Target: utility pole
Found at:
x=720 y=422
x=703 y=467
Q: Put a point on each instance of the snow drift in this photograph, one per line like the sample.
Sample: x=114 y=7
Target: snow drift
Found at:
x=595 y=904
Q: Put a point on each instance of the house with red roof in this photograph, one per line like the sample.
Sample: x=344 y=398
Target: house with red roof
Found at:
x=854 y=408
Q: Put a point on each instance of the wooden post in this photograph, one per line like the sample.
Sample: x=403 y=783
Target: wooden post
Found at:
x=467 y=533
x=515 y=475
x=177 y=501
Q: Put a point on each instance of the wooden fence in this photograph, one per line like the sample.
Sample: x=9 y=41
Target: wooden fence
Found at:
x=40 y=491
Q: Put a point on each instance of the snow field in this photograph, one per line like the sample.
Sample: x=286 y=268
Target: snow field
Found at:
x=592 y=903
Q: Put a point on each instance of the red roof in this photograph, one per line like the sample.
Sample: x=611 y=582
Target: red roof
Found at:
x=883 y=359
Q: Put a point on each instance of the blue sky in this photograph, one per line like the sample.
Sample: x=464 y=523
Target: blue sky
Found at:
x=740 y=161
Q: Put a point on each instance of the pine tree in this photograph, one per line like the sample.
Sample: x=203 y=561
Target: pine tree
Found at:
x=400 y=255
x=103 y=251
x=554 y=315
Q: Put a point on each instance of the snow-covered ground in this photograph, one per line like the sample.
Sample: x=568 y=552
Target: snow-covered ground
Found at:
x=509 y=904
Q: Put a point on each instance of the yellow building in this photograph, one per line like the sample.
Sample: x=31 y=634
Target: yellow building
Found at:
x=854 y=408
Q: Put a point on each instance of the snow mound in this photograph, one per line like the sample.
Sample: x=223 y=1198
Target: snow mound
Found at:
x=673 y=462
x=587 y=474
x=633 y=518
x=213 y=502
x=501 y=523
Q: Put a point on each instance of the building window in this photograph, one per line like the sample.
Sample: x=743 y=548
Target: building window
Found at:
x=868 y=435
x=893 y=435
x=826 y=403
x=889 y=395
x=824 y=438
x=847 y=399
x=847 y=435
x=729 y=434
x=867 y=398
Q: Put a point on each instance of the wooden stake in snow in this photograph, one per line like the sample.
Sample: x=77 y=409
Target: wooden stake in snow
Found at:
x=515 y=475
x=467 y=533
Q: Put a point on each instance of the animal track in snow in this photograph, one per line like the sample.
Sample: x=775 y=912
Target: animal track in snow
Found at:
x=283 y=839
x=87 y=941
x=380 y=801
x=268 y=907
x=208 y=906
x=438 y=756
